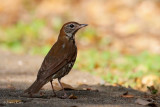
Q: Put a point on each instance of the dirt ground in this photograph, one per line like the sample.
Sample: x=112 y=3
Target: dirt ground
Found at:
x=17 y=72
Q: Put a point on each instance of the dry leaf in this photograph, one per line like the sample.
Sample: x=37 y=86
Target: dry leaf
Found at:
x=144 y=102
x=72 y=96
x=10 y=86
x=126 y=93
x=128 y=96
x=88 y=89
x=74 y=106
x=14 y=101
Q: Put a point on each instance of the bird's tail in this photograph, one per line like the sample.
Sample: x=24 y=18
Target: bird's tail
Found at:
x=35 y=87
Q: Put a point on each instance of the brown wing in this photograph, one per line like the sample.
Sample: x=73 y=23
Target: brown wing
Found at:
x=55 y=60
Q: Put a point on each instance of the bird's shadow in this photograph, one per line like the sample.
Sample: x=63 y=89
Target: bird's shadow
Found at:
x=80 y=91
x=84 y=94
x=48 y=94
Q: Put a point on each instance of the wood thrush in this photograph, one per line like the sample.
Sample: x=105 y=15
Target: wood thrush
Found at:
x=59 y=60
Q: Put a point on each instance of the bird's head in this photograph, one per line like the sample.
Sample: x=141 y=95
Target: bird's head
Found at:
x=69 y=29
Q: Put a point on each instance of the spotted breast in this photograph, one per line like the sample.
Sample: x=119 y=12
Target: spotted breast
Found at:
x=64 y=71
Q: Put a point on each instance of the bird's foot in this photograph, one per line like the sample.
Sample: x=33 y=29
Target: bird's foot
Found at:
x=65 y=96
x=54 y=95
x=30 y=95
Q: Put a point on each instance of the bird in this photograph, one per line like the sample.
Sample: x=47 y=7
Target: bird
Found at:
x=59 y=60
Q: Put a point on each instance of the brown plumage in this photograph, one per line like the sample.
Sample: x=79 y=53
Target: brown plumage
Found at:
x=59 y=60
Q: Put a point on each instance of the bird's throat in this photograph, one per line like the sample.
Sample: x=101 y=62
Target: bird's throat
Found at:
x=70 y=36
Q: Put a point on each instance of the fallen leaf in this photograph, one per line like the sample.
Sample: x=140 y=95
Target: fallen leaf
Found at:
x=10 y=86
x=14 y=101
x=144 y=102
x=150 y=97
x=72 y=96
x=128 y=96
x=88 y=89
x=74 y=106
x=126 y=93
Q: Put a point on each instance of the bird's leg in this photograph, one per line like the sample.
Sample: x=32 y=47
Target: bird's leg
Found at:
x=30 y=95
x=53 y=89
x=65 y=95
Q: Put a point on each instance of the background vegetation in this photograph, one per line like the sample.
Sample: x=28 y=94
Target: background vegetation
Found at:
x=121 y=43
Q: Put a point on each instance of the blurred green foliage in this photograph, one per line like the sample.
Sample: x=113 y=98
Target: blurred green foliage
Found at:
x=17 y=37
x=123 y=69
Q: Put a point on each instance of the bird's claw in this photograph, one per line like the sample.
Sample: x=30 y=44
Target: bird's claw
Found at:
x=54 y=95
x=65 y=96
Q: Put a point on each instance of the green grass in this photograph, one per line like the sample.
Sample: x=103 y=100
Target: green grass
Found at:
x=20 y=36
x=115 y=67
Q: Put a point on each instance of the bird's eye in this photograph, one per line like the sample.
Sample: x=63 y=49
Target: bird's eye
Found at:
x=71 y=25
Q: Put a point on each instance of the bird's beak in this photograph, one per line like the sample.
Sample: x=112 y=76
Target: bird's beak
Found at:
x=82 y=25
